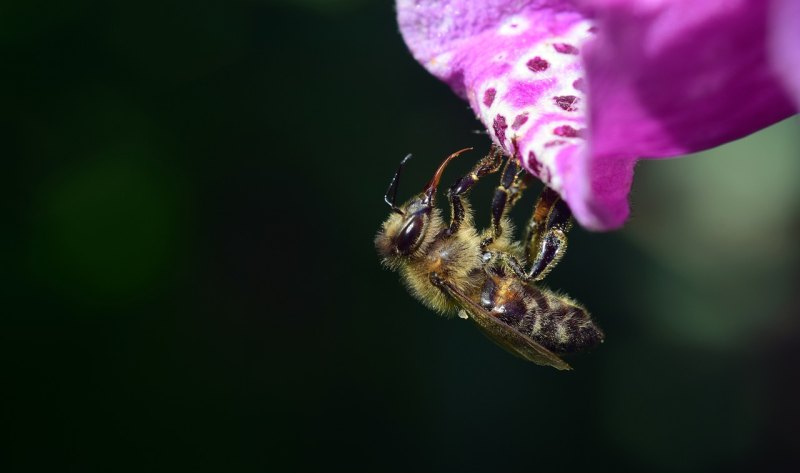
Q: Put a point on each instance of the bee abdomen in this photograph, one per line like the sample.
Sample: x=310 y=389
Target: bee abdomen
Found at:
x=548 y=319
x=564 y=329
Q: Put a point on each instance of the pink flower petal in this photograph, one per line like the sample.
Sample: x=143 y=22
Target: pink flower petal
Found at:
x=785 y=44
x=663 y=78
x=668 y=78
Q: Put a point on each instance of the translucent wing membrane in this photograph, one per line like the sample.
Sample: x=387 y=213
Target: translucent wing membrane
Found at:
x=505 y=336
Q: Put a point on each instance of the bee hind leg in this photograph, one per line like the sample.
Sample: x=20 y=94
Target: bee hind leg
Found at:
x=546 y=241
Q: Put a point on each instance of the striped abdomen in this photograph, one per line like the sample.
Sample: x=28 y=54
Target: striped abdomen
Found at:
x=553 y=321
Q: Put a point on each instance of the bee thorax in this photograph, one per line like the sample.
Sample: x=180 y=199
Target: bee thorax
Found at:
x=455 y=260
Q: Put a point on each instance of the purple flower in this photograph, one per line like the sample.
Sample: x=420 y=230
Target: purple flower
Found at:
x=784 y=46
x=580 y=90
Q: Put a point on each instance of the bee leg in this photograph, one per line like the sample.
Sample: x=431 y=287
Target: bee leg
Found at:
x=512 y=182
x=511 y=263
x=487 y=165
x=546 y=242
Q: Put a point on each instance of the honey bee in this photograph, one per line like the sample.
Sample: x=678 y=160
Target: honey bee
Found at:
x=487 y=276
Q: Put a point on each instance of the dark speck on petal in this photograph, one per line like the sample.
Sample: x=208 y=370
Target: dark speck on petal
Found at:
x=519 y=120
x=566 y=102
x=538 y=167
x=567 y=132
x=534 y=163
x=488 y=96
x=537 y=64
x=500 y=126
x=565 y=48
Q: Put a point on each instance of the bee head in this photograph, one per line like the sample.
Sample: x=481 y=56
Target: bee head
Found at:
x=414 y=224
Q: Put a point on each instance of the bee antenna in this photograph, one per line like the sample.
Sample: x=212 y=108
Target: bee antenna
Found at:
x=391 y=192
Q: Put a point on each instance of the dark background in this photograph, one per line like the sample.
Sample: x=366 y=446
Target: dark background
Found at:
x=189 y=279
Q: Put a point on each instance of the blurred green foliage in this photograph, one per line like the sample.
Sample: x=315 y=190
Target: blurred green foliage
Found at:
x=190 y=281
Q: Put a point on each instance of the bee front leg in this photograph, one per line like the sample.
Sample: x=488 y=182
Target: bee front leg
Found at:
x=487 y=165
x=512 y=183
x=546 y=242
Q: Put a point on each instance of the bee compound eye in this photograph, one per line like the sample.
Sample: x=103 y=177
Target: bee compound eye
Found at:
x=409 y=235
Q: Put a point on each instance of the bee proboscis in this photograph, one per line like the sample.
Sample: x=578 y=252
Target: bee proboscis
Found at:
x=486 y=276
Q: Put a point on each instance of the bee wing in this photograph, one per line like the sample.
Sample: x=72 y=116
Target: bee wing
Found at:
x=506 y=336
